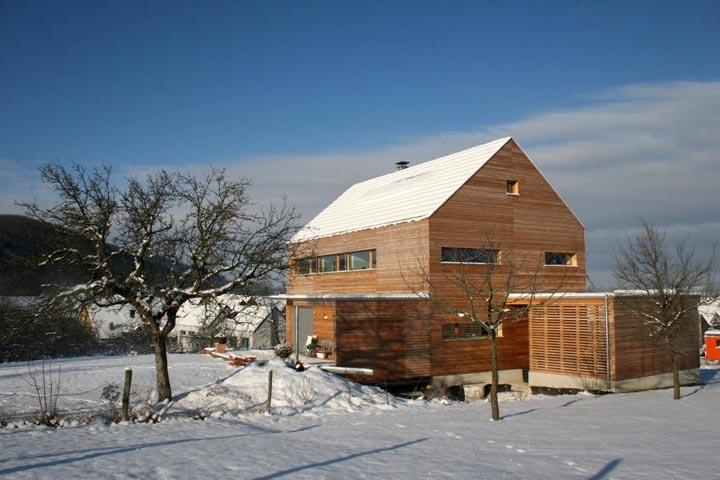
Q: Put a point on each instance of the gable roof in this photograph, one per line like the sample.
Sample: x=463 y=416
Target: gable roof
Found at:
x=412 y=194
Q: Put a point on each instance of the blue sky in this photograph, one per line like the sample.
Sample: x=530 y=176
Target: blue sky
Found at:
x=299 y=87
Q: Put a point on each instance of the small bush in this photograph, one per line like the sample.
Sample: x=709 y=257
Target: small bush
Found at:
x=283 y=350
x=111 y=394
x=5 y=418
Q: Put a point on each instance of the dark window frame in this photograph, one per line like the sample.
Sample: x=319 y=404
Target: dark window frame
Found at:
x=560 y=259
x=463 y=331
x=473 y=256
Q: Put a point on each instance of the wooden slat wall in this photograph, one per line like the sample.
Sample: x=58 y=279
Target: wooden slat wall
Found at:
x=371 y=334
x=399 y=248
x=468 y=355
x=636 y=354
x=523 y=226
x=417 y=339
x=568 y=337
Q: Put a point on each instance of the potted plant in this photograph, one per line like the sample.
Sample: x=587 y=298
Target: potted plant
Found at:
x=220 y=343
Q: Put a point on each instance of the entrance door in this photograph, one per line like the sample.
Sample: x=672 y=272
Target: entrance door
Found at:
x=304 y=328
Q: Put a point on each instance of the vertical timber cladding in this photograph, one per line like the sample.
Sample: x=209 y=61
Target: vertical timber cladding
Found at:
x=567 y=337
x=389 y=336
x=639 y=354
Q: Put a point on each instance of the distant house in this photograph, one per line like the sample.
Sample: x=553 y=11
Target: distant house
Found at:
x=247 y=322
x=114 y=321
x=709 y=317
x=354 y=284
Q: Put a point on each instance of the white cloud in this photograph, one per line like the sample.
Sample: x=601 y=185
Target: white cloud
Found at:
x=650 y=150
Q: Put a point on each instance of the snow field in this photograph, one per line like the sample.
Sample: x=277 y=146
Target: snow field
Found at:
x=637 y=435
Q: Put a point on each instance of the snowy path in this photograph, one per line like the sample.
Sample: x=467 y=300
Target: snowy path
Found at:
x=639 y=435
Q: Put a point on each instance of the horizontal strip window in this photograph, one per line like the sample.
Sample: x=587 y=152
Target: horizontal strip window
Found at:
x=341 y=262
x=466 y=330
x=463 y=330
x=470 y=255
x=560 y=259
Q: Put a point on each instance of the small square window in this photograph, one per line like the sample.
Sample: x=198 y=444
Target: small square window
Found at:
x=560 y=258
x=513 y=187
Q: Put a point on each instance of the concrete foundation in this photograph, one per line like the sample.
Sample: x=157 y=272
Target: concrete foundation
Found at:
x=554 y=380
x=664 y=380
x=474 y=383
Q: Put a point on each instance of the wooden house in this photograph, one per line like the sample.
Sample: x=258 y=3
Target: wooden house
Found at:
x=368 y=269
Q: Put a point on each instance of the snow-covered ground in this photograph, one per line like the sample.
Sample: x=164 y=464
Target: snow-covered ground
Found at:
x=324 y=427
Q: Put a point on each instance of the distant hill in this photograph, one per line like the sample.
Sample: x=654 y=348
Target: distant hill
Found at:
x=23 y=242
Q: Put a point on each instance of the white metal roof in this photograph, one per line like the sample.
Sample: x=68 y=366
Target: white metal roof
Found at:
x=406 y=195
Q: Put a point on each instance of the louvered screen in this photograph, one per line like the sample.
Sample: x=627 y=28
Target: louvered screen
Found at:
x=568 y=339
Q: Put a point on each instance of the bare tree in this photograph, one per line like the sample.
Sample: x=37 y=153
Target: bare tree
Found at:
x=158 y=243
x=490 y=287
x=674 y=283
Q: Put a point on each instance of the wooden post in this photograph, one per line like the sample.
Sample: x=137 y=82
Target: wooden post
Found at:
x=269 y=396
x=126 y=395
x=297 y=334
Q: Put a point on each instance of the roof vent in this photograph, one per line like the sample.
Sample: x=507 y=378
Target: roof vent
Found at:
x=401 y=165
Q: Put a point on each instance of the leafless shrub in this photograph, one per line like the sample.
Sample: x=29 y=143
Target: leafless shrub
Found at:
x=47 y=392
x=305 y=391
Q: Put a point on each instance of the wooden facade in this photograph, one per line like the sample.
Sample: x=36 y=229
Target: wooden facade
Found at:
x=385 y=317
x=598 y=341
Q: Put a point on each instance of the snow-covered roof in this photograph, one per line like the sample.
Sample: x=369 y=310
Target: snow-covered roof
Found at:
x=246 y=312
x=711 y=312
x=406 y=195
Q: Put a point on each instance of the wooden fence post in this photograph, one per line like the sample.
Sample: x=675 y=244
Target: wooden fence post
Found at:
x=269 y=395
x=126 y=395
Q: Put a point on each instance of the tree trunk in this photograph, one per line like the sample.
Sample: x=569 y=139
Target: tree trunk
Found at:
x=676 y=379
x=494 y=408
x=161 y=367
x=274 y=330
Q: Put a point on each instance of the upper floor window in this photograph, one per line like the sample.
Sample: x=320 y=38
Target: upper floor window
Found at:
x=470 y=255
x=305 y=265
x=360 y=260
x=513 y=187
x=560 y=258
x=328 y=263
x=132 y=313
